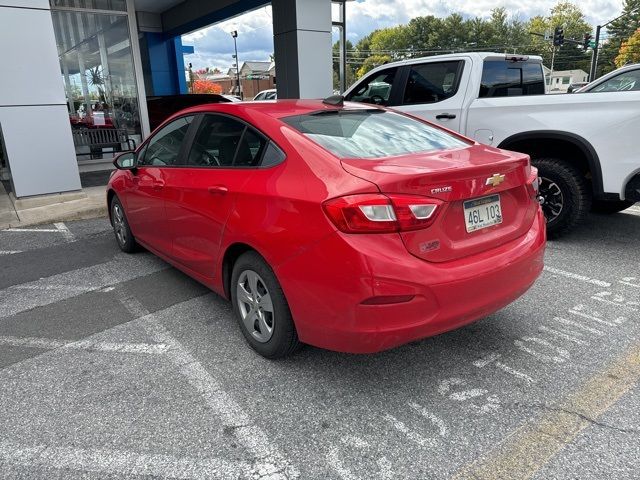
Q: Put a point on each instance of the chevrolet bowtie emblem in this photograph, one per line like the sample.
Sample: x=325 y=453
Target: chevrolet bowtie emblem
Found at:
x=495 y=180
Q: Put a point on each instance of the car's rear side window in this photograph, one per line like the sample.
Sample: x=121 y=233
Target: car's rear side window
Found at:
x=224 y=142
x=501 y=78
x=371 y=133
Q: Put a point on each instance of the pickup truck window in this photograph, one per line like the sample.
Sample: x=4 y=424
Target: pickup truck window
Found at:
x=375 y=89
x=432 y=82
x=625 y=82
x=501 y=78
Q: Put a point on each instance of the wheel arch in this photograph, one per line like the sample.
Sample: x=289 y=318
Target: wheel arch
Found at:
x=231 y=255
x=110 y=194
x=565 y=143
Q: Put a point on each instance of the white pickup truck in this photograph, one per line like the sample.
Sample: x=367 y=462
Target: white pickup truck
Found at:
x=586 y=147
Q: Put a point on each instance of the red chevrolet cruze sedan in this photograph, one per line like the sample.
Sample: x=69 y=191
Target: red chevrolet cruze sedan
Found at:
x=344 y=226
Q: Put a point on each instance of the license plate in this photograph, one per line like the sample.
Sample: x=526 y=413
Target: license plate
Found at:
x=482 y=213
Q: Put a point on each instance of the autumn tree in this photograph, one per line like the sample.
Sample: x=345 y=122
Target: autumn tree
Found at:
x=630 y=50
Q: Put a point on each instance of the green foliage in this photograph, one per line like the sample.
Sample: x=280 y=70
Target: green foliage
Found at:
x=500 y=32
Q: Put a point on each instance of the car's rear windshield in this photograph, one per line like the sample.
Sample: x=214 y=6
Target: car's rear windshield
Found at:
x=371 y=133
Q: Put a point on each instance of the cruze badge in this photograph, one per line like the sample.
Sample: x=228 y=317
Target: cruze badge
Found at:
x=495 y=180
x=442 y=189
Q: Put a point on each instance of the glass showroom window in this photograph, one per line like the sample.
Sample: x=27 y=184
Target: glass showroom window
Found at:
x=97 y=69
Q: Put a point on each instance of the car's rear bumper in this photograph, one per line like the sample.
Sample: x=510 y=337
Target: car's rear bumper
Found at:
x=326 y=286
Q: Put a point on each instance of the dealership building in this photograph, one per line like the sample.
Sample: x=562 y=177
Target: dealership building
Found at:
x=76 y=75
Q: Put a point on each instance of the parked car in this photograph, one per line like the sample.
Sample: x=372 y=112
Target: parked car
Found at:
x=624 y=79
x=579 y=143
x=347 y=227
x=574 y=87
x=270 y=94
x=162 y=107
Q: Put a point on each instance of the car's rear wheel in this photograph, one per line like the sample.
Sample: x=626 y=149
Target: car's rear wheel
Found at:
x=610 y=206
x=124 y=237
x=261 y=308
x=565 y=195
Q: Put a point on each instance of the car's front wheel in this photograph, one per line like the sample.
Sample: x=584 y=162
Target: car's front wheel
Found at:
x=565 y=195
x=261 y=308
x=126 y=240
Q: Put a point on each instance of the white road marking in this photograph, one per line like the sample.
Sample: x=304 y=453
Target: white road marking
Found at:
x=269 y=460
x=411 y=435
x=43 y=230
x=9 y=252
x=617 y=304
x=52 y=344
x=578 y=325
x=563 y=355
x=629 y=281
x=335 y=462
x=578 y=311
x=570 y=336
x=493 y=357
x=575 y=276
x=64 y=230
x=438 y=422
x=121 y=462
x=122 y=268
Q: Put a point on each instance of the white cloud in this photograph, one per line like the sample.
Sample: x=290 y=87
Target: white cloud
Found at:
x=214 y=45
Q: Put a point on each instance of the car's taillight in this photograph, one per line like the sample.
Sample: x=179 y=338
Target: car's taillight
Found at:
x=533 y=182
x=378 y=213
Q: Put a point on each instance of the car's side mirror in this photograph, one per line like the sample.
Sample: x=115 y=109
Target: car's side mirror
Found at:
x=125 y=161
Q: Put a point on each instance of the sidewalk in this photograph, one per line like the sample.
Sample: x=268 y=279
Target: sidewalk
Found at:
x=86 y=203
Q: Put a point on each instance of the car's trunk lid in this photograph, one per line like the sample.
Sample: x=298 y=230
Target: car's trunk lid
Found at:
x=456 y=177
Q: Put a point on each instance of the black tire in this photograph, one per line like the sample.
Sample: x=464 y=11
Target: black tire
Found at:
x=566 y=195
x=610 y=206
x=122 y=231
x=283 y=340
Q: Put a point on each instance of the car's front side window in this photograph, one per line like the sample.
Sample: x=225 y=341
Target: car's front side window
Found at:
x=376 y=89
x=224 y=142
x=164 y=148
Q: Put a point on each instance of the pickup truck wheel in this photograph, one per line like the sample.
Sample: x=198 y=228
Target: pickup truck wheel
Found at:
x=565 y=195
x=610 y=206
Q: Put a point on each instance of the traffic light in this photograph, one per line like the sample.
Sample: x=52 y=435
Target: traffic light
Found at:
x=586 y=43
x=558 y=37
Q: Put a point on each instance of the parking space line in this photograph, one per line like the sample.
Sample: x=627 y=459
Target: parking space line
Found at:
x=120 y=462
x=64 y=230
x=30 y=230
x=9 y=252
x=52 y=344
x=577 y=312
x=269 y=459
x=609 y=302
x=521 y=454
x=576 y=276
x=25 y=296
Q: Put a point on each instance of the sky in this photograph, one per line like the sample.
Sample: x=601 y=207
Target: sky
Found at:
x=214 y=45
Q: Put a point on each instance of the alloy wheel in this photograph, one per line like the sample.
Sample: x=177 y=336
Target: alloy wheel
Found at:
x=551 y=199
x=255 y=305
x=119 y=225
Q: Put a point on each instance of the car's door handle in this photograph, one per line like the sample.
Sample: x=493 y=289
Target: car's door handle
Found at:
x=158 y=185
x=218 y=190
x=443 y=116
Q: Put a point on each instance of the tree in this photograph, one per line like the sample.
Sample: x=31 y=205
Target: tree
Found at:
x=392 y=41
x=618 y=32
x=372 y=62
x=630 y=50
x=206 y=86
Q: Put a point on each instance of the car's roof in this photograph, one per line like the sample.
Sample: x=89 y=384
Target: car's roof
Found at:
x=275 y=108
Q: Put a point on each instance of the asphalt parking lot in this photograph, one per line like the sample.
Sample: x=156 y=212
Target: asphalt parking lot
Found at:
x=118 y=366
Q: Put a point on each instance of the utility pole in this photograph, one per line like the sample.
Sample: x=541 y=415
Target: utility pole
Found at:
x=234 y=34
